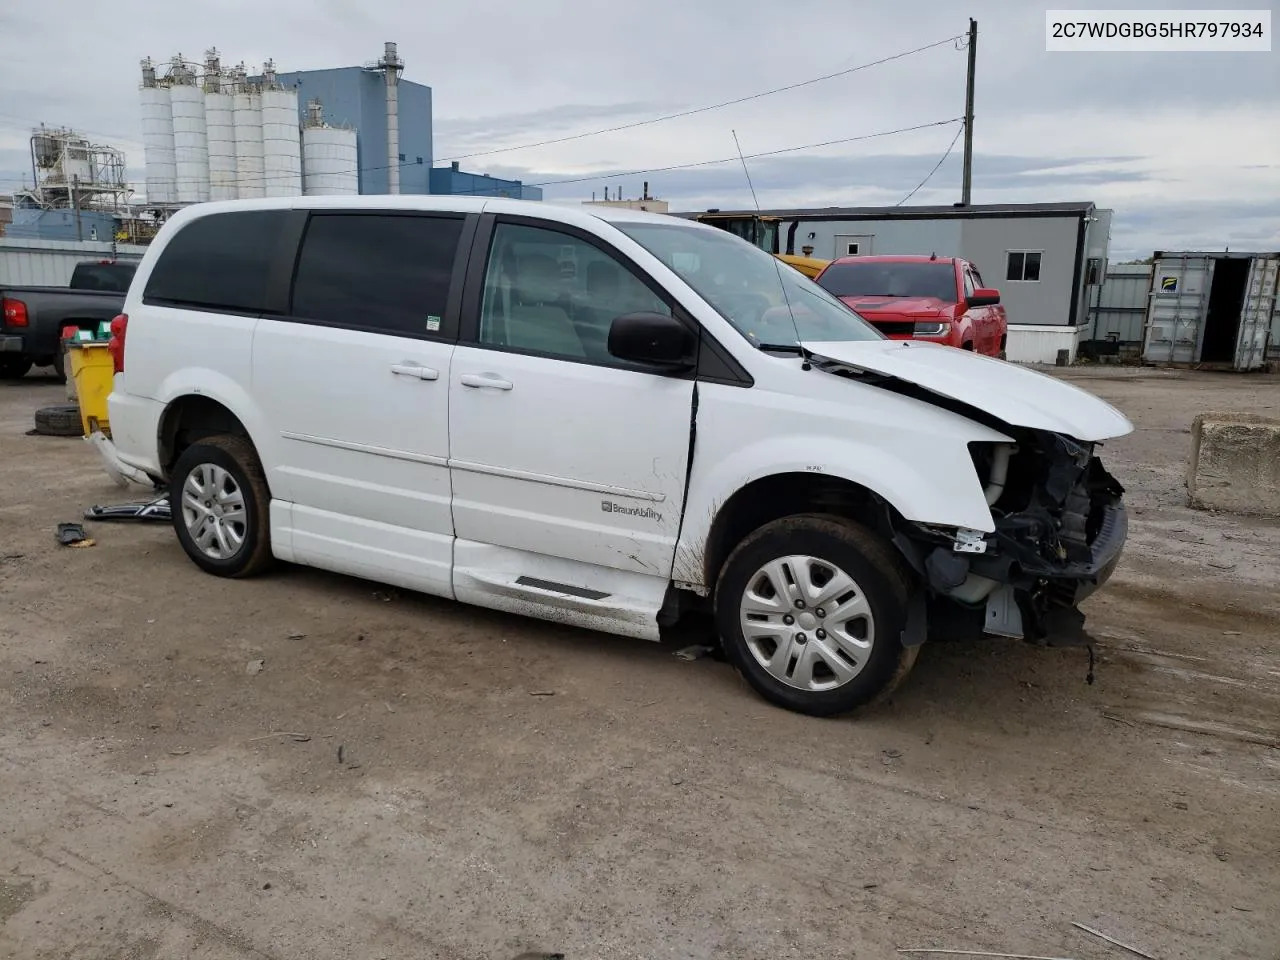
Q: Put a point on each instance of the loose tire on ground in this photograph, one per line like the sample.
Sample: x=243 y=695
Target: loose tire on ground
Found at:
x=59 y=420
x=880 y=585
x=220 y=481
x=14 y=368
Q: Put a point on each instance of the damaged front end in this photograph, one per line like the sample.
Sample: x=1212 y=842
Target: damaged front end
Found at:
x=1060 y=528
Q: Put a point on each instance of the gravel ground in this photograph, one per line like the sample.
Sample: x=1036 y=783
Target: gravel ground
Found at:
x=409 y=778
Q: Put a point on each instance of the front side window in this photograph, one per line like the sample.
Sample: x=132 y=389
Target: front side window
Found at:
x=934 y=280
x=552 y=293
x=766 y=301
x=385 y=273
x=218 y=262
x=1024 y=266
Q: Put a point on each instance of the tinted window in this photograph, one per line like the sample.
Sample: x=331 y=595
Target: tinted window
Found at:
x=220 y=262
x=550 y=292
x=1023 y=266
x=870 y=279
x=113 y=277
x=377 y=272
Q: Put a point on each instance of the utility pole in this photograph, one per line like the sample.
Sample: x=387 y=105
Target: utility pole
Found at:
x=966 y=185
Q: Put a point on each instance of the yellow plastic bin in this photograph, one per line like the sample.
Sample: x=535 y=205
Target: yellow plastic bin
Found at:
x=92 y=371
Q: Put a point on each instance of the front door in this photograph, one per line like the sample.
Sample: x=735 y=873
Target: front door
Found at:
x=568 y=467
x=355 y=386
x=1261 y=291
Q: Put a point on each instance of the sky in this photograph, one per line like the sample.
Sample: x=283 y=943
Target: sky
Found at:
x=1185 y=147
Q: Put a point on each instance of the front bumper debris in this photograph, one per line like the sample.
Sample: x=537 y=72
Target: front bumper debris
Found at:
x=1060 y=530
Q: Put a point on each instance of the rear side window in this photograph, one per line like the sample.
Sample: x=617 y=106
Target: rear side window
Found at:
x=111 y=277
x=380 y=272
x=218 y=262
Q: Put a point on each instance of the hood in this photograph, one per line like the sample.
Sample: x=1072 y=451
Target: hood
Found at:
x=882 y=308
x=1014 y=394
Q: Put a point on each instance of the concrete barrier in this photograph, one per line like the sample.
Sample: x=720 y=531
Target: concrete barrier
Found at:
x=1235 y=464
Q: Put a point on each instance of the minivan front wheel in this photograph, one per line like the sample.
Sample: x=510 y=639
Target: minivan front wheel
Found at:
x=811 y=610
x=220 y=505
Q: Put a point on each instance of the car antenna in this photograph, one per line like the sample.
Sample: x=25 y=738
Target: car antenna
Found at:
x=934 y=255
x=804 y=354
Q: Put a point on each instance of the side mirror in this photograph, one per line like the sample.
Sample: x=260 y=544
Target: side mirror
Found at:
x=984 y=297
x=652 y=340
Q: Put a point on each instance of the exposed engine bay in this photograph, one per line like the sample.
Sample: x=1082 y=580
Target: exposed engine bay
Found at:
x=1060 y=527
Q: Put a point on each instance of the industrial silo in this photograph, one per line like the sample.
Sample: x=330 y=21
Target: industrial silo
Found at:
x=281 y=147
x=250 y=175
x=330 y=164
x=220 y=127
x=157 y=138
x=190 y=142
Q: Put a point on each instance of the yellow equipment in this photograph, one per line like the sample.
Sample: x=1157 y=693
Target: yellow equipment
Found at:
x=92 y=370
x=762 y=231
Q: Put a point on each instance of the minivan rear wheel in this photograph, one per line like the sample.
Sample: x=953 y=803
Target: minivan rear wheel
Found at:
x=221 y=507
x=811 y=609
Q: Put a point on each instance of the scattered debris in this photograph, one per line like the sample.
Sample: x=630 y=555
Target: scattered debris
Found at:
x=676 y=781
x=1221 y=565
x=1111 y=940
x=178 y=753
x=984 y=953
x=695 y=652
x=297 y=636
x=296 y=737
x=1231 y=633
x=390 y=708
x=255 y=667
x=891 y=754
x=266 y=886
x=73 y=535
x=870 y=886
x=152 y=511
x=1116 y=719
x=342 y=752
x=542 y=693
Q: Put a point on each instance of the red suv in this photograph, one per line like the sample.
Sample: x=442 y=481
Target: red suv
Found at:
x=940 y=299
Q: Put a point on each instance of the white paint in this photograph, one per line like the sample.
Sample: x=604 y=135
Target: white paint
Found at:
x=330 y=163
x=190 y=143
x=389 y=458
x=281 y=147
x=250 y=172
x=220 y=126
x=1040 y=343
x=159 y=151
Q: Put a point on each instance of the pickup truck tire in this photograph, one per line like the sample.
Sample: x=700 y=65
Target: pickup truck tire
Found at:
x=60 y=363
x=14 y=368
x=59 y=420
x=833 y=643
x=221 y=507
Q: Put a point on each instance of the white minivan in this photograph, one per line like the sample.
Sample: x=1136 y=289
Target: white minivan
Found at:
x=607 y=419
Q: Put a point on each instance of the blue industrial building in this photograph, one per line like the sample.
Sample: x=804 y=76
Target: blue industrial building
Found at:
x=357 y=97
x=450 y=180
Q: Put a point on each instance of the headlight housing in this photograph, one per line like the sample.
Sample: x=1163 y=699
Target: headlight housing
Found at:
x=931 y=328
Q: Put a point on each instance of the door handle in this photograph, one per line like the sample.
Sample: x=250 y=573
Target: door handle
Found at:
x=408 y=369
x=489 y=380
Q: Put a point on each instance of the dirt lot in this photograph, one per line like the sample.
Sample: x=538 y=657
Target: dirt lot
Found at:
x=409 y=778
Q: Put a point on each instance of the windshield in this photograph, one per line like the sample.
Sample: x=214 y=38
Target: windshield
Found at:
x=766 y=300
x=936 y=280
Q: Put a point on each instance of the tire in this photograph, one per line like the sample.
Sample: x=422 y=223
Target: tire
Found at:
x=14 y=368
x=968 y=345
x=230 y=464
x=60 y=420
x=880 y=579
x=60 y=363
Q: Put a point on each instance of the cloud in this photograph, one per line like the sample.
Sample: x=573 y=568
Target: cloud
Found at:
x=1150 y=135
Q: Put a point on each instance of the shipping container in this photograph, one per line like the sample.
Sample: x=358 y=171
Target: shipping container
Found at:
x=49 y=263
x=1211 y=309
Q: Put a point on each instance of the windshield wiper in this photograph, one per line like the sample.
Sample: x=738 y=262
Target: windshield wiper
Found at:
x=783 y=348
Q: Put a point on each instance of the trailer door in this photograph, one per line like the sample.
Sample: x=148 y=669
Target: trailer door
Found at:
x=1255 y=316
x=1176 y=308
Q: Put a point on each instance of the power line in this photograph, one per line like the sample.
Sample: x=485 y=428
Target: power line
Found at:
x=750 y=156
x=936 y=166
x=713 y=106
